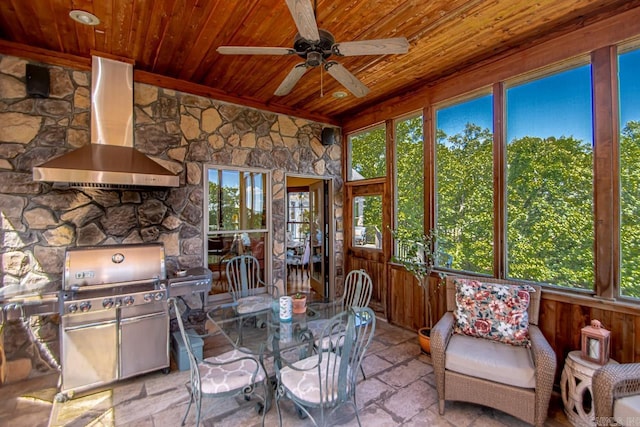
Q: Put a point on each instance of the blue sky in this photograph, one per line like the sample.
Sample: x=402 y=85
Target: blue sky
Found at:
x=556 y=105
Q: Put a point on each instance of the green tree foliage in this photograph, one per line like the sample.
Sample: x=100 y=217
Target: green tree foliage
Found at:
x=410 y=174
x=223 y=206
x=630 y=209
x=550 y=229
x=465 y=198
x=368 y=153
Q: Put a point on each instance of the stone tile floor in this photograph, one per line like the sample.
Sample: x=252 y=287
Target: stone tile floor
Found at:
x=399 y=391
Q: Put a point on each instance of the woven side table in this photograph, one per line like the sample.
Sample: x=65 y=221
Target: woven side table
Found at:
x=575 y=386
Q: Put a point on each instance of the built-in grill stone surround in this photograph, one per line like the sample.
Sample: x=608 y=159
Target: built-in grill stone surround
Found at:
x=180 y=131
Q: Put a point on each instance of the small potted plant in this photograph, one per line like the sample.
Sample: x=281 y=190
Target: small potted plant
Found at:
x=417 y=254
x=299 y=303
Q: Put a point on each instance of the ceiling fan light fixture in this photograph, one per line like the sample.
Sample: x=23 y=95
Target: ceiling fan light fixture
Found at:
x=339 y=94
x=83 y=17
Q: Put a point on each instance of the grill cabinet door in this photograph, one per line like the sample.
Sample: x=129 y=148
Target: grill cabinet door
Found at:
x=89 y=355
x=144 y=343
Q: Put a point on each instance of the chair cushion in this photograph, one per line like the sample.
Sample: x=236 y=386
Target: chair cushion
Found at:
x=254 y=303
x=232 y=376
x=627 y=410
x=493 y=311
x=491 y=360
x=316 y=327
x=305 y=384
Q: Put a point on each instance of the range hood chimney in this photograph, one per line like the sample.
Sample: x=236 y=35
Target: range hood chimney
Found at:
x=110 y=161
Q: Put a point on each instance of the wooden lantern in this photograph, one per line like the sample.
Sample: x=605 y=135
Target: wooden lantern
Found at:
x=596 y=343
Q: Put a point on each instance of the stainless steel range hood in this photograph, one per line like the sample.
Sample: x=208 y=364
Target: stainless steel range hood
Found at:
x=110 y=160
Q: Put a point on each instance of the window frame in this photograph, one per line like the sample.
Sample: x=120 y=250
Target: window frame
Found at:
x=265 y=231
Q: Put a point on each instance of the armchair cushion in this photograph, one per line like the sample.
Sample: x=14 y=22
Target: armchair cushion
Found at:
x=627 y=408
x=490 y=360
x=493 y=311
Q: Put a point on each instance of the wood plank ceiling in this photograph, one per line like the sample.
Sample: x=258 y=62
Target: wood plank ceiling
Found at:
x=174 y=42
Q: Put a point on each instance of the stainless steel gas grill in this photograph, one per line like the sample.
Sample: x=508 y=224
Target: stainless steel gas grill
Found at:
x=115 y=321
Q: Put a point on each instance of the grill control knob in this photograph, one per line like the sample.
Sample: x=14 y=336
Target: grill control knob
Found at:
x=107 y=303
x=147 y=297
x=73 y=308
x=159 y=296
x=85 y=306
x=128 y=300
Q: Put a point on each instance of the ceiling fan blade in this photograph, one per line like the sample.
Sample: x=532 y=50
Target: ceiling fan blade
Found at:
x=372 y=47
x=305 y=19
x=254 y=50
x=347 y=79
x=292 y=78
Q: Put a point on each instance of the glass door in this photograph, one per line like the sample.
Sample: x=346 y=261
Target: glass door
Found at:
x=318 y=239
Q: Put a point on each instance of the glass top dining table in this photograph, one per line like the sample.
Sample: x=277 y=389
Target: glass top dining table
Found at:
x=262 y=333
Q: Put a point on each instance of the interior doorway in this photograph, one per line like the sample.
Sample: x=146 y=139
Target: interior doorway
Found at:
x=309 y=237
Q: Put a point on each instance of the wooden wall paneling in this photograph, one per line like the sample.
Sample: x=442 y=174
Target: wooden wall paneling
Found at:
x=579 y=319
x=564 y=333
x=635 y=338
x=547 y=320
x=395 y=298
x=439 y=297
x=622 y=337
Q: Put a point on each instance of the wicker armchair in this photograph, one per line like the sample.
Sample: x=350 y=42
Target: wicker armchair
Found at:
x=529 y=404
x=616 y=394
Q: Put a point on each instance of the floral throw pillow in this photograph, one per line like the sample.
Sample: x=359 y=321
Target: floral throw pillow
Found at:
x=493 y=311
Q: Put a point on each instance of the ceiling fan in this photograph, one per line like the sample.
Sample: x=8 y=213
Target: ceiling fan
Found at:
x=316 y=46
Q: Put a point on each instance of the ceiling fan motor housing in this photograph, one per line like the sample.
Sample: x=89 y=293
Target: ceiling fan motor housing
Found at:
x=314 y=52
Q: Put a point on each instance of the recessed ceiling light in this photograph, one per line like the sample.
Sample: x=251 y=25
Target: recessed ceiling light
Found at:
x=83 y=17
x=339 y=94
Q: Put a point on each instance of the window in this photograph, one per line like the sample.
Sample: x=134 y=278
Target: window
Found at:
x=367 y=154
x=550 y=225
x=237 y=216
x=367 y=221
x=410 y=174
x=629 y=69
x=298 y=224
x=464 y=185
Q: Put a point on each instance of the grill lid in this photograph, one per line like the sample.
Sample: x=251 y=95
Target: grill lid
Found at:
x=95 y=267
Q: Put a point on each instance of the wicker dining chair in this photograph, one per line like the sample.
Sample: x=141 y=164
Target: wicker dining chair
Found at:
x=228 y=374
x=616 y=394
x=327 y=379
x=529 y=403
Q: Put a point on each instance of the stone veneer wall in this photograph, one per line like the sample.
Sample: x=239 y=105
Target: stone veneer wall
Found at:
x=180 y=131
